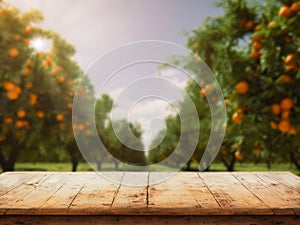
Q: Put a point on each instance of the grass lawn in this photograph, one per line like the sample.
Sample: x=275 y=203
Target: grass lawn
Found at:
x=109 y=167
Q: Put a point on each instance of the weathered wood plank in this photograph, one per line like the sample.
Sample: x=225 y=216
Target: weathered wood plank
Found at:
x=201 y=194
x=291 y=196
x=60 y=200
x=265 y=193
x=184 y=194
x=132 y=194
x=150 y=220
x=16 y=196
x=96 y=196
x=232 y=195
x=30 y=203
x=286 y=178
x=11 y=180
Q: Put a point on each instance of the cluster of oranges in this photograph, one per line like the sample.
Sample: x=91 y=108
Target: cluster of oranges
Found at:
x=257 y=45
x=291 y=64
x=55 y=70
x=237 y=116
x=27 y=69
x=241 y=87
x=289 y=11
x=248 y=25
x=20 y=121
x=84 y=126
x=283 y=110
x=13 y=90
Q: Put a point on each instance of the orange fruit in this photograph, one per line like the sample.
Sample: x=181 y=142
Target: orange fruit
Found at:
x=59 y=117
x=208 y=90
x=236 y=118
x=274 y=125
x=54 y=71
x=238 y=155
x=285 y=79
x=249 y=25
x=286 y=104
x=284 y=126
x=291 y=67
x=8 y=85
x=255 y=54
x=242 y=87
x=257 y=150
x=12 y=95
x=13 y=52
x=28 y=30
x=289 y=58
x=33 y=99
x=1 y=138
x=276 y=109
x=295 y=7
x=272 y=24
x=26 y=71
x=257 y=46
x=40 y=114
x=1 y=12
x=27 y=42
x=242 y=110
x=29 y=63
x=285 y=114
x=17 y=90
x=21 y=113
x=257 y=28
x=60 y=79
x=80 y=126
x=8 y=120
x=257 y=37
x=292 y=131
x=285 y=11
x=19 y=123
x=70 y=105
x=46 y=63
x=201 y=92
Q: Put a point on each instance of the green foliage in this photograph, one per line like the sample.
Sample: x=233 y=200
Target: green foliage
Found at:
x=36 y=88
x=251 y=42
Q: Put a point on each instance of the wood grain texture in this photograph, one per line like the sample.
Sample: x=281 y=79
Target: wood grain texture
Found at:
x=188 y=195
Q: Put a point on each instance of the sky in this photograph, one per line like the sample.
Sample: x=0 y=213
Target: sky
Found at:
x=95 y=27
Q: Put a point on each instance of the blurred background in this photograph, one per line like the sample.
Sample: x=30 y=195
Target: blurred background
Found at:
x=46 y=48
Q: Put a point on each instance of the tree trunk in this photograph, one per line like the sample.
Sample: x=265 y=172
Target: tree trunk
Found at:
x=188 y=165
x=268 y=161
x=99 y=165
x=229 y=165
x=116 y=165
x=294 y=160
x=74 y=165
x=9 y=164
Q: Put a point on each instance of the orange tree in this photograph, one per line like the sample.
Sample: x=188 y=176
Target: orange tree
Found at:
x=36 y=88
x=253 y=48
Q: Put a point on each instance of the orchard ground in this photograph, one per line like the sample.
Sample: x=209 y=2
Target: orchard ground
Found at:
x=66 y=167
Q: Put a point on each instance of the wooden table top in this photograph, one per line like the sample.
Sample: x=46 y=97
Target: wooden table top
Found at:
x=186 y=193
